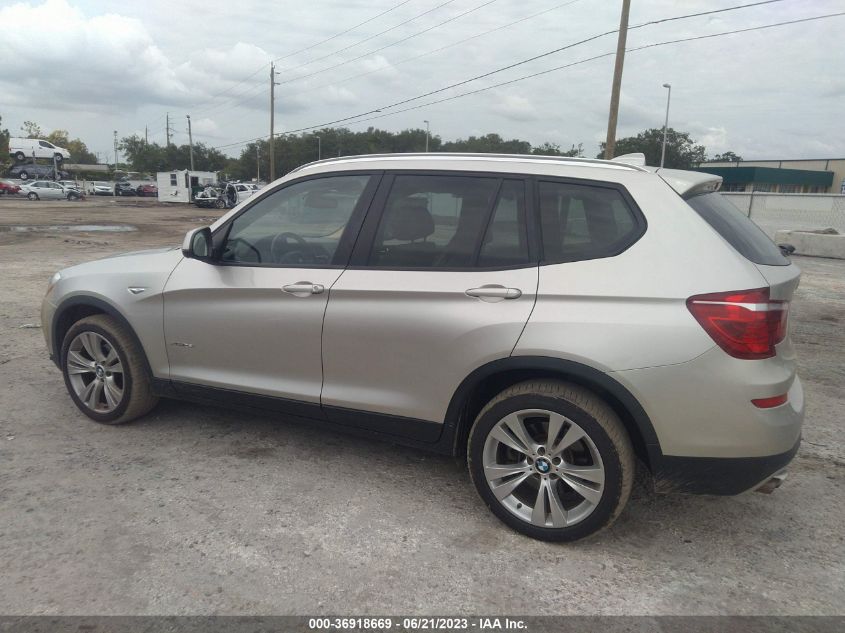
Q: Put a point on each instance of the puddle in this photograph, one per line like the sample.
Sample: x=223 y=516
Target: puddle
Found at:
x=69 y=228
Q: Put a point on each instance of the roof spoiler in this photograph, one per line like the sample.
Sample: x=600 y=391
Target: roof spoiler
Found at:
x=636 y=159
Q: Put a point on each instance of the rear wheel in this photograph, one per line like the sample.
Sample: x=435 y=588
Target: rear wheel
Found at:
x=551 y=460
x=24 y=175
x=19 y=156
x=32 y=195
x=104 y=371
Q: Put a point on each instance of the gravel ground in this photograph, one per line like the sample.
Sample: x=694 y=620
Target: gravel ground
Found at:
x=197 y=510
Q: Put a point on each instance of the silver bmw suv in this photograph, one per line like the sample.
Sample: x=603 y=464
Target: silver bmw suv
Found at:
x=554 y=320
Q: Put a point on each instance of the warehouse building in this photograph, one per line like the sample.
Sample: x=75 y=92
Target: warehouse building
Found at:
x=824 y=175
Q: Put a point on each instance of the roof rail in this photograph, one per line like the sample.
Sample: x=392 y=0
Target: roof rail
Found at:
x=532 y=157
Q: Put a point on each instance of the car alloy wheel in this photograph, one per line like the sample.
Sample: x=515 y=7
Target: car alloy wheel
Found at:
x=95 y=372
x=32 y=195
x=543 y=468
x=24 y=175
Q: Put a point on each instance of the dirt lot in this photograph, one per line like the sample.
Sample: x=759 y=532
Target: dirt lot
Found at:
x=199 y=510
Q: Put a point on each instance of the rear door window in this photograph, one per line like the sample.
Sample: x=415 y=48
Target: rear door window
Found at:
x=737 y=229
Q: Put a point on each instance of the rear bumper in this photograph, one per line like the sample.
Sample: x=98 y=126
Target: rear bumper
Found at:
x=718 y=475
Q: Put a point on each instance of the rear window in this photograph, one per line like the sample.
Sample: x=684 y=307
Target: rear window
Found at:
x=739 y=231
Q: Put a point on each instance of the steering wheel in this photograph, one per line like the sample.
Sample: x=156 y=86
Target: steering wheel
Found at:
x=303 y=255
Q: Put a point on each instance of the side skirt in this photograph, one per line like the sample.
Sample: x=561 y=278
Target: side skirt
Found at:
x=422 y=434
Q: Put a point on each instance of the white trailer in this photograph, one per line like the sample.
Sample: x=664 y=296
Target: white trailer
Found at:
x=177 y=185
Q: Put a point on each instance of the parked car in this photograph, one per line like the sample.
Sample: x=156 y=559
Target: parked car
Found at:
x=8 y=187
x=70 y=184
x=27 y=171
x=555 y=320
x=100 y=188
x=124 y=188
x=147 y=190
x=49 y=190
x=24 y=148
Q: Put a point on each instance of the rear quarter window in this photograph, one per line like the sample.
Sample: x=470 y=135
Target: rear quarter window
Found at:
x=737 y=229
x=585 y=221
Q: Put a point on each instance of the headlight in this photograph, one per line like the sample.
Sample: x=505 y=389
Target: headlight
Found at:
x=53 y=281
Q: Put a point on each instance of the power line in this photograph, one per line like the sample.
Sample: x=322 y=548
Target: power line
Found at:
x=337 y=35
x=371 y=37
x=437 y=50
x=540 y=73
x=552 y=52
x=307 y=48
x=400 y=41
x=246 y=96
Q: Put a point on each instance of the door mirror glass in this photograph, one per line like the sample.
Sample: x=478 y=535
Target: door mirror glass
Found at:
x=197 y=244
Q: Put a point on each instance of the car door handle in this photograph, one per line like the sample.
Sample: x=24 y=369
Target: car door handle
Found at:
x=304 y=288
x=493 y=292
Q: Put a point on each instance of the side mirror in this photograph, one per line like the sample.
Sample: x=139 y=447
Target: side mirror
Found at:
x=786 y=249
x=197 y=244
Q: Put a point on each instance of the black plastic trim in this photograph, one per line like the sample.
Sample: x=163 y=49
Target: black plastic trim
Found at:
x=99 y=304
x=419 y=433
x=718 y=475
x=583 y=373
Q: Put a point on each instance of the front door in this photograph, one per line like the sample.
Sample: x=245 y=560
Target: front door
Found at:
x=252 y=320
x=441 y=282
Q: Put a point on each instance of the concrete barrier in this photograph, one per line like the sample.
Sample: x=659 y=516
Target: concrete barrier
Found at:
x=813 y=244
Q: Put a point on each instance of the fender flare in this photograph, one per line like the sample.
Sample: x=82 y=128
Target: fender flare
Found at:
x=585 y=375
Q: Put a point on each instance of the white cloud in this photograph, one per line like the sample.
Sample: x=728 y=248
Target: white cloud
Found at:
x=76 y=61
x=515 y=108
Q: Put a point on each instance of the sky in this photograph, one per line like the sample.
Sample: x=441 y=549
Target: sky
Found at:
x=91 y=67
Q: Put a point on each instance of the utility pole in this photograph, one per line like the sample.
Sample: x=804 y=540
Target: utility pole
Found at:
x=167 y=130
x=190 y=141
x=427 y=135
x=319 y=148
x=257 y=163
x=273 y=85
x=665 y=124
x=146 y=135
x=115 y=152
x=610 y=144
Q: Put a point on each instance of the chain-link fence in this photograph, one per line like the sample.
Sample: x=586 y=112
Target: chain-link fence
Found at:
x=787 y=211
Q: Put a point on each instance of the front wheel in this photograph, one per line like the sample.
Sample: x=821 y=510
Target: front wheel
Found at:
x=24 y=175
x=551 y=460
x=32 y=195
x=104 y=371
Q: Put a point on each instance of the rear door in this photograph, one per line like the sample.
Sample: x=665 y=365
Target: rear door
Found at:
x=442 y=280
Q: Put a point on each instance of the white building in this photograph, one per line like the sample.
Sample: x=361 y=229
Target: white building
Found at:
x=177 y=185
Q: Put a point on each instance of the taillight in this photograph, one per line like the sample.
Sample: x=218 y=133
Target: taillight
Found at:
x=744 y=323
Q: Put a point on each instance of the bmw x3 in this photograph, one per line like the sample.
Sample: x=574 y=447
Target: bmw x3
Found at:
x=555 y=321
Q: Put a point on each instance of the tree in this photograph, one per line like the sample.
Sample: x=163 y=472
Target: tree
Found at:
x=681 y=150
x=31 y=130
x=727 y=157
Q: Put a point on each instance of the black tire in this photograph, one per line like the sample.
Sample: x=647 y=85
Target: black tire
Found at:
x=24 y=175
x=73 y=196
x=32 y=196
x=594 y=417
x=59 y=158
x=220 y=204
x=20 y=157
x=138 y=397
